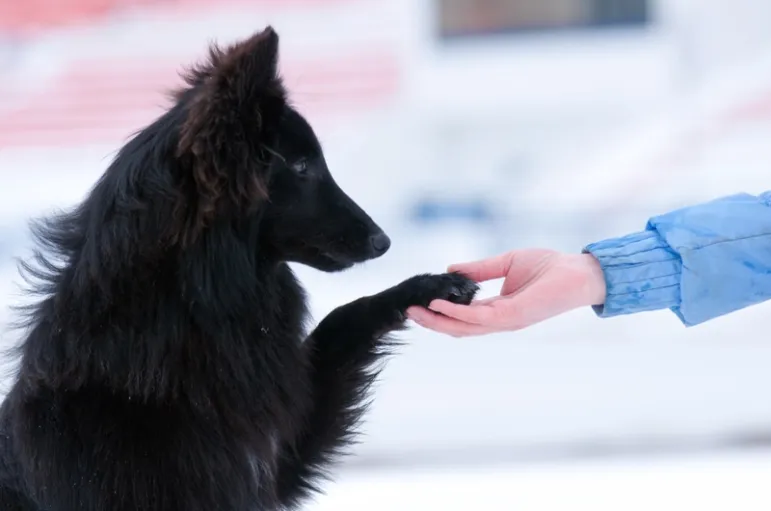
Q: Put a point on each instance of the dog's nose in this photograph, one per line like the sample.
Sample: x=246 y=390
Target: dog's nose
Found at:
x=380 y=243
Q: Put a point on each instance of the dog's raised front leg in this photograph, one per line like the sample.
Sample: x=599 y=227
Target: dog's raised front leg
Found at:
x=342 y=353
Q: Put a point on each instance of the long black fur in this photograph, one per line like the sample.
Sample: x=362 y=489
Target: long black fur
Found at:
x=166 y=365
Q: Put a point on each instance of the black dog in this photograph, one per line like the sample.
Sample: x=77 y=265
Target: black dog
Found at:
x=166 y=365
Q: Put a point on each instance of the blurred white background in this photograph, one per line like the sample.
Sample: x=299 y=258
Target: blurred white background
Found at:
x=466 y=128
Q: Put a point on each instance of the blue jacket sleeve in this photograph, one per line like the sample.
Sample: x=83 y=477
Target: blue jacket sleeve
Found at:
x=701 y=262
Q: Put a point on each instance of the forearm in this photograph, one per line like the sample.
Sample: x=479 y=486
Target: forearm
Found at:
x=701 y=262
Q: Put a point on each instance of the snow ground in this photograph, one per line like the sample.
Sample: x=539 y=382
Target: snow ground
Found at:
x=704 y=482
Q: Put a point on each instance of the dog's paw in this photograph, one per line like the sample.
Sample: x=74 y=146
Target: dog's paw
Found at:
x=423 y=289
x=387 y=310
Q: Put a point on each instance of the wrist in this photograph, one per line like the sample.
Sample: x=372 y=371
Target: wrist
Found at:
x=641 y=271
x=595 y=287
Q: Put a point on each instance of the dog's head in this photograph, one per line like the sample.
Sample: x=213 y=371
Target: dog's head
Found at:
x=246 y=154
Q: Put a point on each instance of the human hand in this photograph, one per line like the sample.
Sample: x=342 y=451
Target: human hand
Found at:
x=539 y=284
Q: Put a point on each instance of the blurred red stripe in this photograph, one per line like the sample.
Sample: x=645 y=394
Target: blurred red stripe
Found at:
x=30 y=17
x=95 y=100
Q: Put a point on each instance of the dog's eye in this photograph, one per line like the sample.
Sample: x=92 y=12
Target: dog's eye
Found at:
x=300 y=166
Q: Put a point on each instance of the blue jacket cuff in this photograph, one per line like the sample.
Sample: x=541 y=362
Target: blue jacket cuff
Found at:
x=642 y=273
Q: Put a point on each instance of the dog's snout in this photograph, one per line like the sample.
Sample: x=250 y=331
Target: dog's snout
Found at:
x=380 y=243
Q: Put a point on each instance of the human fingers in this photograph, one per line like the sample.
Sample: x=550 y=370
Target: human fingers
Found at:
x=485 y=269
x=487 y=301
x=445 y=325
x=478 y=314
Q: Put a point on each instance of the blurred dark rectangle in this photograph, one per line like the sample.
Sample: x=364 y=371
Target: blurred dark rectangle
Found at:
x=477 y=18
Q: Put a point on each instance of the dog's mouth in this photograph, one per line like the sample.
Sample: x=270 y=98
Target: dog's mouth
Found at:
x=327 y=260
x=330 y=259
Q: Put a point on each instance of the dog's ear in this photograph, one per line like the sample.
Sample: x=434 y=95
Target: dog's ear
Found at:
x=236 y=100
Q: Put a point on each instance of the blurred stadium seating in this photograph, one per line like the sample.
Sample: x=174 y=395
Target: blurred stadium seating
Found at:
x=103 y=100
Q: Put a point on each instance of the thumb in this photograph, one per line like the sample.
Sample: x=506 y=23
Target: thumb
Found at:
x=486 y=269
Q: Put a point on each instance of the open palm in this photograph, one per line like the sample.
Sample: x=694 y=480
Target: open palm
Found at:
x=538 y=284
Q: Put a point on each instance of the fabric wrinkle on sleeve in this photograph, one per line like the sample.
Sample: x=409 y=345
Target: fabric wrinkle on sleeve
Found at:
x=725 y=246
x=641 y=273
x=701 y=262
